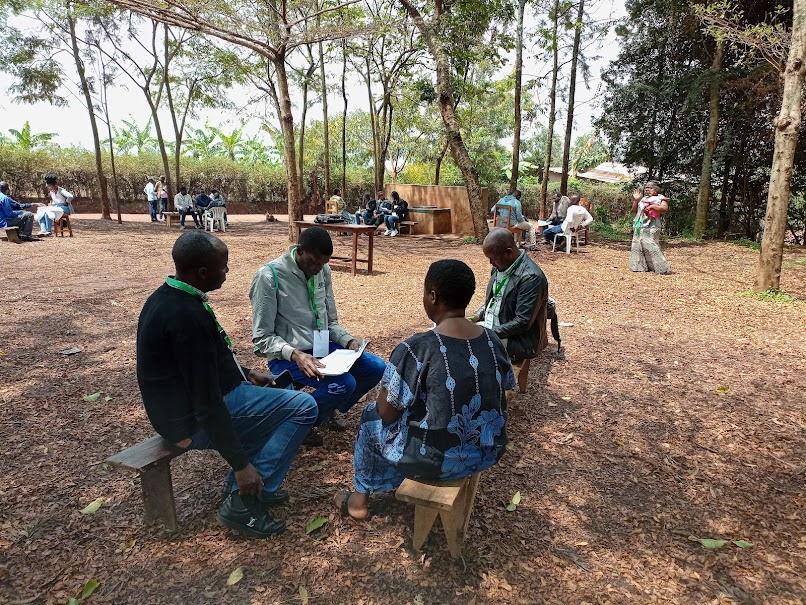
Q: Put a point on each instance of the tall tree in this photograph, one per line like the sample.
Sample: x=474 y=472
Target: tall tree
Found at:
x=572 y=87
x=324 y=111
x=704 y=197
x=555 y=50
x=516 y=131
x=265 y=28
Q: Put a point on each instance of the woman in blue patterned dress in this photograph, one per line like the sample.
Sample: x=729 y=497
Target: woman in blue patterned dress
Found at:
x=441 y=410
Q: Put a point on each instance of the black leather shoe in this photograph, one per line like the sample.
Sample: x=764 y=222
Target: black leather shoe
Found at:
x=247 y=515
x=274 y=498
x=313 y=439
x=336 y=423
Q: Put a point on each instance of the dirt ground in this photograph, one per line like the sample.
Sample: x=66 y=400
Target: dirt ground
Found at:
x=675 y=412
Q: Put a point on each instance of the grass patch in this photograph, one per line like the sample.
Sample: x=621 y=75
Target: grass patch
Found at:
x=770 y=295
x=746 y=243
x=614 y=232
x=469 y=240
x=795 y=264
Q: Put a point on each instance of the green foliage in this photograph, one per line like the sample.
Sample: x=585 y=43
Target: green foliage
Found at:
x=770 y=296
x=28 y=141
x=747 y=243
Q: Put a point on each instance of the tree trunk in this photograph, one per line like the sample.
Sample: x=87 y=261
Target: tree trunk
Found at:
x=344 y=119
x=325 y=124
x=723 y=199
x=787 y=129
x=440 y=157
x=301 y=156
x=96 y=140
x=373 y=122
x=287 y=127
x=703 y=199
x=572 y=88
x=544 y=185
x=516 y=139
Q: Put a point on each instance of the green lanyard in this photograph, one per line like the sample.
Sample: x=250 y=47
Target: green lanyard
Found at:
x=312 y=296
x=509 y=272
x=180 y=285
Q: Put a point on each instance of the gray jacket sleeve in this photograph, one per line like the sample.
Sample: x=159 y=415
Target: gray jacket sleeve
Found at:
x=263 y=296
x=338 y=333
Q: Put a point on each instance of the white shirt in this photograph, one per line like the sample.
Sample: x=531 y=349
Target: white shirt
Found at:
x=183 y=201
x=150 y=191
x=576 y=210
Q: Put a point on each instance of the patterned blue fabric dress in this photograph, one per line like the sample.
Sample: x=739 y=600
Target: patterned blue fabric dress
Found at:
x=452 y=395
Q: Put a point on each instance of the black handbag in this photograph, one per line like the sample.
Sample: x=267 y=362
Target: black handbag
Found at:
x=329 y=219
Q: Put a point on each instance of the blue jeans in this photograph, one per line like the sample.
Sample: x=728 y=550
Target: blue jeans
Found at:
x=270 y=424
x=391 y=222
x=183 y=212
x=549 y=233
x=46 y=223
x=152 y=209
x=24 y=220
x=336 y=392
x=358 y=215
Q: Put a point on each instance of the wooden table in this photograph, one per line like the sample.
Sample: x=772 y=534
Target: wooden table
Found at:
x=171 y=218
x=356 y=230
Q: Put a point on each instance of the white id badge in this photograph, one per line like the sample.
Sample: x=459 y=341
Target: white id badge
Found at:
x=489 y=315
x=321 y=343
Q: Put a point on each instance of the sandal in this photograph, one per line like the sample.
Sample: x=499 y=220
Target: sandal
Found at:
x=344 y=506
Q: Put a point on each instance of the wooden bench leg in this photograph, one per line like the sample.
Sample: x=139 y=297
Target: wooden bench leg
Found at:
x=158 y=496
x=13 y=236
x=469 y=499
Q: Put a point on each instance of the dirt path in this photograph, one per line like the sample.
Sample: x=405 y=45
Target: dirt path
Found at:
x=676 y=411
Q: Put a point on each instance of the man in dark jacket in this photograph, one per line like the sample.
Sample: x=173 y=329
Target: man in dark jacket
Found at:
x=198 y=396
x=517 y=296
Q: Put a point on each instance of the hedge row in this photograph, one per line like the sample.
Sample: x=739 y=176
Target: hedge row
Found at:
x=259 y=188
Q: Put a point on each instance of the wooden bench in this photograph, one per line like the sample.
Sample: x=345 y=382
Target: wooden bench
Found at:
x=409 y=225
x=152 y=460
x=12 y=234
x=171 y=218
x=451 y=500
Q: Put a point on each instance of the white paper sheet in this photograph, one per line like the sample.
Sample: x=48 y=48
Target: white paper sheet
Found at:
x=340 y=361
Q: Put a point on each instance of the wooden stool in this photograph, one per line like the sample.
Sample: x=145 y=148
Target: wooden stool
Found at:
x=152 y=460
x=58 y=226
x=171 y=218
x=521 y=369
x=451 y=500
x=12 y=234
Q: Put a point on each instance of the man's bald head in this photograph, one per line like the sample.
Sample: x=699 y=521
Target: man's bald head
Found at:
x=574 y=199
x=500 y=248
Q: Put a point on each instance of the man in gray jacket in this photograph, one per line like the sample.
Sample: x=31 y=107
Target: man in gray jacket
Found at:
x=294 y=324
x=517 y=288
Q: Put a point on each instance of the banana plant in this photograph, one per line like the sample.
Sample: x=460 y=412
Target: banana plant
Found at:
x=231 y=145
x=27 y=140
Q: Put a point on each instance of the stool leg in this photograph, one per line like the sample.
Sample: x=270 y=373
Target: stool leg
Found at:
x=70 y=227
x=424 y=518
x=452 y=523
x=470 y=498
x=158 y=496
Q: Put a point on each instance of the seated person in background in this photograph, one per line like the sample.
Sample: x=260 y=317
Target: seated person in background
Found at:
x=13 y=215
x=217 y=200
x=367 y=213
x=201 y=201
x=341 y=207
x=383 y=208
x=574 y=209
x=442 y=407
x=184 y=206
x=399 y=210
x=559 y=209
x=61 y=203
x=517 y=285
x=294 y=322
x=198 y=396
x=513 y=200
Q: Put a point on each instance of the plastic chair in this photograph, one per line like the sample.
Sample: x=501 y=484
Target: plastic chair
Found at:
x=571 y=232
x=215 y=214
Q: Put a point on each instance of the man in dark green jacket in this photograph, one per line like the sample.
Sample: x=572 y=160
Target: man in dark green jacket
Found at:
x=517 y=297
